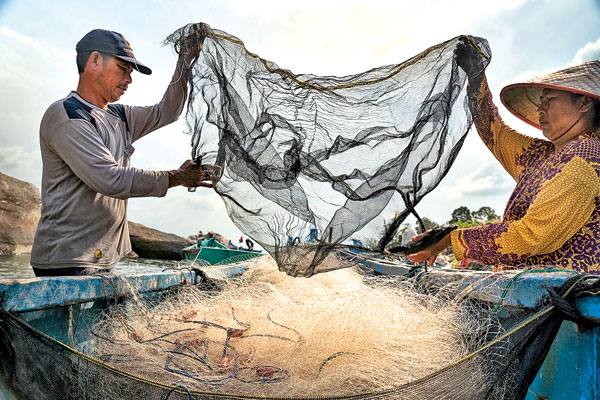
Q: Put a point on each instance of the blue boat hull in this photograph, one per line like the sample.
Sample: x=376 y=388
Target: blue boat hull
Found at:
x=61 y=308
x=571 y=369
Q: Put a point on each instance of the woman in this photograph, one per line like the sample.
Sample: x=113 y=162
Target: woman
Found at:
x=553 y=214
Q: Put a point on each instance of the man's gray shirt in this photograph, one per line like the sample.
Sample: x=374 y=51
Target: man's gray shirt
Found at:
x=87 y=178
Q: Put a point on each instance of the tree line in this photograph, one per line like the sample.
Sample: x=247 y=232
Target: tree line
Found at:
x=461 y=216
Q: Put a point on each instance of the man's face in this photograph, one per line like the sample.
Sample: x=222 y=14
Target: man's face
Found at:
x=114 y=78
x=558 y=112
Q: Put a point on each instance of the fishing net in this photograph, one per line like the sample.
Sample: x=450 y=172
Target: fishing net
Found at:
x=310 y=162
x=269 y=336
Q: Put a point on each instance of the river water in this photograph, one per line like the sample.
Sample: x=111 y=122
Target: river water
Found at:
x=18 y=266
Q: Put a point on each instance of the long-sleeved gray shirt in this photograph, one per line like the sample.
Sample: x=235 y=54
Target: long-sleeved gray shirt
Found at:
x=87 y=178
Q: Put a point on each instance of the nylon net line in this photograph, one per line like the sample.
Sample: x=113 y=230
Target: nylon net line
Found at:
x=269 y=334
x=309 y=162
x=265 y=335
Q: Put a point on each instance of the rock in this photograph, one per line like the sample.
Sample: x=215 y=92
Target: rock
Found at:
x=152 y=243
x=193 y=239
x=20 y=204
x=131 y=255
x=221 y=239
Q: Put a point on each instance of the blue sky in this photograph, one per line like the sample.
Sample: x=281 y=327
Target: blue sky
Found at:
x=37 y=43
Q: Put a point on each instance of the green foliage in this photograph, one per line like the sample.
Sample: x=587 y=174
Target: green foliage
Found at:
x=464 y=218
x=467 y=224
x=461 y=214
x=485 y=214
x=429 y=224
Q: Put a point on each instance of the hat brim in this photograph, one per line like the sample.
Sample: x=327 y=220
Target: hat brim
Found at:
x=523 y=99
x=138 y=66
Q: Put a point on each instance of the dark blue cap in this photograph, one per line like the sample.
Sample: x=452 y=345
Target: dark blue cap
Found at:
x=112 y=43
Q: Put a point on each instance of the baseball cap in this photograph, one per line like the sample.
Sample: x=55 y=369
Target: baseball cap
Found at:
x=112 y=43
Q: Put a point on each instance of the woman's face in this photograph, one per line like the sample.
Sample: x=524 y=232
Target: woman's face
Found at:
x=559 y=111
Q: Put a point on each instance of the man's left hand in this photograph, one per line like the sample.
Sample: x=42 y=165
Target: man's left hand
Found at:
x=191 y=45
x=191 y=174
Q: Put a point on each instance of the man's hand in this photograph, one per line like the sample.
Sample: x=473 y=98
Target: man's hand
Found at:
x=191 y=45
x=191 y=174
x=429 y=254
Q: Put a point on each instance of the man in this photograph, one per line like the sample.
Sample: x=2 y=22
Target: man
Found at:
x=553 y=216
x=86 y=145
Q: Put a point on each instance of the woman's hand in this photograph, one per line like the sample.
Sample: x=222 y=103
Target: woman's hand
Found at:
x=430 y=254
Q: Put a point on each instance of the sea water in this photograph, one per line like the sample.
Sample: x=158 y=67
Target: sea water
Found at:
x=19 y=267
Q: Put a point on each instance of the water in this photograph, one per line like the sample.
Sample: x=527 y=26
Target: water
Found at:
x=18 y=266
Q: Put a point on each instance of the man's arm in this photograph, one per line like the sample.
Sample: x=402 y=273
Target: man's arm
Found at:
x=143 y=120
x=78 y=144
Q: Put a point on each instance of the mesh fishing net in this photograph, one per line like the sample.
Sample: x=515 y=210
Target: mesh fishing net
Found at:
x=269 y=334
x=417 y=341
x=308 y=162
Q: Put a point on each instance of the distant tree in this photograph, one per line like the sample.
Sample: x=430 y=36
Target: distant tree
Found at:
x=466 y=224
x=372 y=242
x=461 y=214
x=403 y=228
x=429 y=224
x=485 y=214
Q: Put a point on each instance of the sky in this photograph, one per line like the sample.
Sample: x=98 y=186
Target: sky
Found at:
x=37 y=67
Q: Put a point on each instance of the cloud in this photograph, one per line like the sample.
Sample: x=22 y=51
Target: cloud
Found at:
x=20 y=163
x=589 y=52
x=489 y=179
x=183 y=213
x=343 y=37
x=32 y=73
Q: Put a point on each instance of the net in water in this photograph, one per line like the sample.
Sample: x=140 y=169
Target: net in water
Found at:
x=310 y=162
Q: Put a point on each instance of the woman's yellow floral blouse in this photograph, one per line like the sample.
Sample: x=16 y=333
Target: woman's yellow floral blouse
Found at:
x=553 y=215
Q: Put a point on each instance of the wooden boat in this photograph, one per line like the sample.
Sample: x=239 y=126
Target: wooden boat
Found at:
x=44 y=323
x=571 y=369
x=211 y=252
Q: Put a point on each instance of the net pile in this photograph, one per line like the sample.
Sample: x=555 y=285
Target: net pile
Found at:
x=311 y=162
x=268 y=334
x=146 y=337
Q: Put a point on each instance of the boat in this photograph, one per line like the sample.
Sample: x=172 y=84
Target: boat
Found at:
x=571 y=369
x=45 y=323
x=45 y=328
x=211 y=252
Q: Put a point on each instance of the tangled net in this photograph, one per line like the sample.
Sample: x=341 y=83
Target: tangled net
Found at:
x=309 y=160
x=268 y=334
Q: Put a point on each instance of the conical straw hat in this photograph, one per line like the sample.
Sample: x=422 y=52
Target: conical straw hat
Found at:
x=523 y=99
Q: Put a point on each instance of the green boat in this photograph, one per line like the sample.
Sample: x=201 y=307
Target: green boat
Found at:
x=211 y=252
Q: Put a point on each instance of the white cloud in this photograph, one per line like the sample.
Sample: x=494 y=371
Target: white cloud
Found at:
x=19 y=163
x=489 y=179
x=343 y=37
x=591 y=51
x=31 y=73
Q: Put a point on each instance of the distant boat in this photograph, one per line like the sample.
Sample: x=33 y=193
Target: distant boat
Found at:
x=210 y=251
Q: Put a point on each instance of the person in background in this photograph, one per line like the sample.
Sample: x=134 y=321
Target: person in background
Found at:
x=86 y=145
x=407 y=236
x=553 y=215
